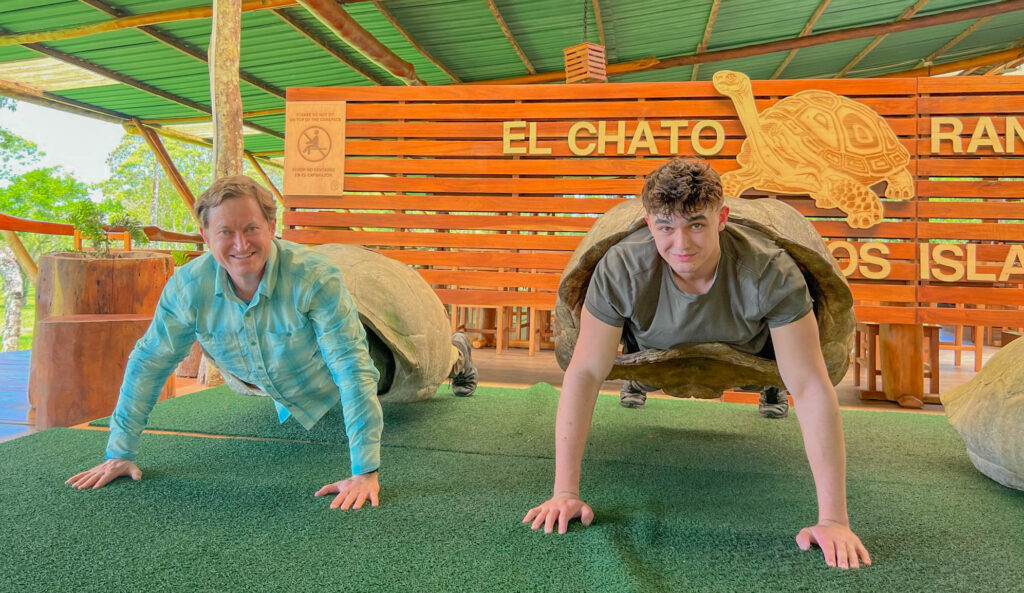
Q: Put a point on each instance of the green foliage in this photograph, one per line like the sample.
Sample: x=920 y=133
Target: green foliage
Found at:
x=89 y=219
x=42 y=194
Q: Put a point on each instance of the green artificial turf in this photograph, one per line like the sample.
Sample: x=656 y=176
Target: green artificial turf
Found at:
x=681 y=433
x=239 y=515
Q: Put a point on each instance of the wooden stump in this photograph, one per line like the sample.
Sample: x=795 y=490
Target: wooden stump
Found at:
x=90 y=311
x=189 y=368
x=80 y=376
x=902 y=363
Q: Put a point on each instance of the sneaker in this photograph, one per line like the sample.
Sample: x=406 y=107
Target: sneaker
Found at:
x=464 y=384
x=632 y=395
x=773 y=403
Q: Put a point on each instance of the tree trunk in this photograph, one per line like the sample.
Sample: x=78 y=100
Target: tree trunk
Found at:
x=225 y=95
x=14 y=299
x=154 y=200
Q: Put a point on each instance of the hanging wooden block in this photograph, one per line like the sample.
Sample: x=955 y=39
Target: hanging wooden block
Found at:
x=585 y=62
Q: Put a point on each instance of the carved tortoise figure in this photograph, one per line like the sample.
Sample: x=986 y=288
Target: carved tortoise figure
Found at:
x=705 y=370
x=817 y=142
x=988 y=412
x=406 y=325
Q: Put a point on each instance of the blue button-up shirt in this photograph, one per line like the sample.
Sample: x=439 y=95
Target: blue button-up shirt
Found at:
x=299 y=339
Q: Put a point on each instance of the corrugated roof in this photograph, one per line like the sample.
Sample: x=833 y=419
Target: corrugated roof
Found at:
x=158 y=80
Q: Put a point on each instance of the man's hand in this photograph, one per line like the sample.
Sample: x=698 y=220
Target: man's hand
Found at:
x=561 y=508
x=104 y=473
x=840 y=545
x=353 y=492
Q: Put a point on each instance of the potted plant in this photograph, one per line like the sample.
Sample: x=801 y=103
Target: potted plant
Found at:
x=91 y=308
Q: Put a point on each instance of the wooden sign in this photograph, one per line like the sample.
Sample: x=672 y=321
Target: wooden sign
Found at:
x=314 y=155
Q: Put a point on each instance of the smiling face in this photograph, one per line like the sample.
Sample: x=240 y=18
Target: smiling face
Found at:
x=239 y=238
x=689 y=244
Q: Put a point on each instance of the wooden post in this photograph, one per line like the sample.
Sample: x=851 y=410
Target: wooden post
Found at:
x=22 y=255
x=157 y=146
x=902 y=363
x=225 y=95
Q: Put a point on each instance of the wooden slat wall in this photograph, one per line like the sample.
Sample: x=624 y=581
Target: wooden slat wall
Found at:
x=427 y=183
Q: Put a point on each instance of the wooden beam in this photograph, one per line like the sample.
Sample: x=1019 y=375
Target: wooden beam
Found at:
x=131 y=128
x=162 y=157
x=905 y=15
x=803 y=33
x=30 y=94
x=28 y=265
x=944 y=18
x=1000 y=68
x=204 y=118
x=266 y=178
x=949 y=44
x=511 y=38
x=129 y=22
x=998 y=57
x=25 y=225
x=703 y=46
x=348 y=30
x=311 y=35
x=423 y=52
x=188 y=50
x=600 y=23
x=225 y=95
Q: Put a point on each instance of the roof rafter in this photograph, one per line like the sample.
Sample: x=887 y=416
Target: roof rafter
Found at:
x=334 y=17
x=311 y=35
x=178 y=44
x=132 y=82
x=511 y=38
x=1014 y=52
x=652 y=63
x=31 y=94
x=703 y=46
x=963 y=35
x=904 y=16
x=600 y=24
x=398 y=27
x=125 y=21
x=803 y=33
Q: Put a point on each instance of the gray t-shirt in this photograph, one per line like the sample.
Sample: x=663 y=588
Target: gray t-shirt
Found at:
x=757 y=286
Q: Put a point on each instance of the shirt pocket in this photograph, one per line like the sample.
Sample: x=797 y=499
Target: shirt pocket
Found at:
x=226 y=350
x=291 y=349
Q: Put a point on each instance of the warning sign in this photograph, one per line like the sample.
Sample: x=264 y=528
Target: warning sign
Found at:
x=314 y=154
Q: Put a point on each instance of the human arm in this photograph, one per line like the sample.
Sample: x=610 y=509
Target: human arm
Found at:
x=165 y=343
x=591 y=362
x=802 y=366
x=342 y=342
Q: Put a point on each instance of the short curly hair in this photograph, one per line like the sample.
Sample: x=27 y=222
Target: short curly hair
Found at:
x=235 y=186
x=682 y=186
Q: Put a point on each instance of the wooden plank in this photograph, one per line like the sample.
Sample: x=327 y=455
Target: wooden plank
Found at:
x=898 y=293
x=991 y=188
x=965 y=85
x=480 y=259
x=512 y=280
x=983 y=231
x=439 y=221
x=884 y=230
x=880 y=314
x=466 y=130
x=456 y=203
x=897 y=251
x=614 y=154
x=408 y=239
x=612 y=90
x=984 y=317
x=509 y=298
x=937 y=293
x=580 y=110
x=899 y=271
x=967 y=104
x=983 y=210
x=892 y=208
x=971 y=167
x=496 y=185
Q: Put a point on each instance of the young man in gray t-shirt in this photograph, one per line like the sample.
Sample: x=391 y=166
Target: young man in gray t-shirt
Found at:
x=688 y=278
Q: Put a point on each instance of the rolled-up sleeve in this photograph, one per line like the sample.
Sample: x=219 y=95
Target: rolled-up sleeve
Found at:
x=342 y=341
x=156 y=354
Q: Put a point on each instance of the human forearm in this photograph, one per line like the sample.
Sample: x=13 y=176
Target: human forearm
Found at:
x=818 y=413
x=575 y=412
x=144 y=378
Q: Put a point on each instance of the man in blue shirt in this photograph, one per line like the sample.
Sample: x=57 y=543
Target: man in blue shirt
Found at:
x=275 y=315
